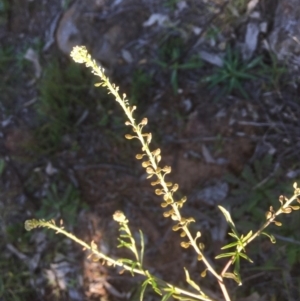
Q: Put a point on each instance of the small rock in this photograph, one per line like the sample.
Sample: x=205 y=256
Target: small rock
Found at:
x=212 y=195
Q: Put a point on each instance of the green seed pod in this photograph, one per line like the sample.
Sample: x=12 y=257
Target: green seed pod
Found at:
x=176 y=227
x=295 y=207
x=146 y=164
x=167 y=169
x=149 y=138
x=129 y=137
x=287 y=210
x=175 y=187
x=268 y=215
x=184 y=244
x=156 y=152
x=159 y=191
x=168 y=213
x=155 y=183
x=144 y=121
x=149 y=170
x=201 y=246
x=203 y=274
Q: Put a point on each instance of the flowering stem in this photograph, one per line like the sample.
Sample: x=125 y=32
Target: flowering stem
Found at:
x=80 y=55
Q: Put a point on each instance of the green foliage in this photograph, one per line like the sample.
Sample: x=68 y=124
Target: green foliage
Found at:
x=14 y=280
x=61 y=103
x=2 y=166
x=274 y=73
x=141 y=83
x=171 y=59
x=4 y=11
x=6 y=58
x=239 y=245
x=234 y=73
x=61 y=205
x=256 y=189
x=11 y=65
x=257 y=184
x=172 y=4
x=212 y=32
x=235 y=9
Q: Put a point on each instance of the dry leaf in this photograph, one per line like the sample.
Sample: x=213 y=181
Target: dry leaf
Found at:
x=32 y=56
x=156 y=18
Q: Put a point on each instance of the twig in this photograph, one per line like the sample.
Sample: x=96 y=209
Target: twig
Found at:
x=290 y=240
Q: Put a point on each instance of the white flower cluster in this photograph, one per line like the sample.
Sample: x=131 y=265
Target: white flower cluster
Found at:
x=80 y=54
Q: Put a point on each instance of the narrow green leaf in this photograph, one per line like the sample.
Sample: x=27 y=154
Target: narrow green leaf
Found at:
x=272 y=238
x=229 y=220
x=191 y=65
x=142 y=247
x=245 y=257
x=232 y=276
x=184 y=298
x=233 y=244
x=254 y=63
x=174 y=80
x=241 y=89
x=128 y=261
x=230 y=254
x=249 y=176
x=236 y=265
x=125 y=235
x=217 y=79
x=162 y=64
x=232 y=84
x=247 y=236
x=144 y=286
x=167 y=296
x=233 y=235
x=153 y=283
x=190 y=281
x=2 y=166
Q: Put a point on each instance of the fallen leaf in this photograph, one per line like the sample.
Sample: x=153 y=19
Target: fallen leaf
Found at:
x=211 y=58
x=32 y=56
x=207 y=155
x=156 y=18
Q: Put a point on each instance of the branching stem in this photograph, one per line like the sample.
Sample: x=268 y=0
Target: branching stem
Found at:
x=80 y=55
x=264 y=226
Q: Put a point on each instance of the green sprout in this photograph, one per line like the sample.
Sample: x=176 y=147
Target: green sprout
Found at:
x=171 y=60
x=233 y=74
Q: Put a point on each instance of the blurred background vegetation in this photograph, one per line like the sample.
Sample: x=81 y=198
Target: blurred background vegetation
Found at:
x=222 y=118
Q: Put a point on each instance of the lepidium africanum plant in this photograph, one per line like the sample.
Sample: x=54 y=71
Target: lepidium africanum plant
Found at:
x=151 y=162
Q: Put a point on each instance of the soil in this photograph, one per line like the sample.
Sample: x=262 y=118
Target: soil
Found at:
x=203 y=133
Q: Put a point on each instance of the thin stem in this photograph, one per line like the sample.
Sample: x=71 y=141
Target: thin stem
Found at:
x=133 y=248
x=118 y=262
x=159 y=175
